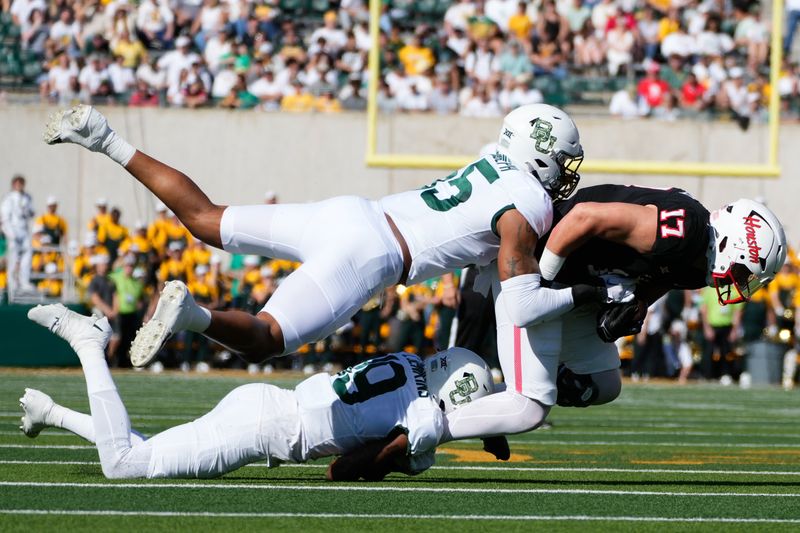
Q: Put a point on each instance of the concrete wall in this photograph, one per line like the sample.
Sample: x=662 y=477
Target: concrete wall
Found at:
x=237 y=156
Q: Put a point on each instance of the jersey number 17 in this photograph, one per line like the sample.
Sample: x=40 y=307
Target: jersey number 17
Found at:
x=672 y=223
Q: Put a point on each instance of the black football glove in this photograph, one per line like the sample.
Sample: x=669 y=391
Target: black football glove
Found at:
x=618 y=320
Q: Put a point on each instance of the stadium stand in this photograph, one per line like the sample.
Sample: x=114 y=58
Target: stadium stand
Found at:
x=662 y=59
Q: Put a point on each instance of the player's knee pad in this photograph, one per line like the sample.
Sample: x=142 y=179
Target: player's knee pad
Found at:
x=575 y=390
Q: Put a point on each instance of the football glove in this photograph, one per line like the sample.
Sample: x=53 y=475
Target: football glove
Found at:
x=618 y=320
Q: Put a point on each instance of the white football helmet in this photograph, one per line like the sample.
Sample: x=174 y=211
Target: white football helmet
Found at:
x=747 y=249
x=457 y=376
x=544 y=140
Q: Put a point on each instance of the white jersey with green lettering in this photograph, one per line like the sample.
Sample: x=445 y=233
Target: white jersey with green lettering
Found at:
x=452 y=223
x=367 y=402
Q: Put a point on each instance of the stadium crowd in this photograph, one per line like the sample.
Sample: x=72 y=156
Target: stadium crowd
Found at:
x=658 y=58
x=118 y=270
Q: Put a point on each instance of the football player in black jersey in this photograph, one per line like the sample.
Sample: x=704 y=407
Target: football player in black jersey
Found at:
x=658 y=239
x=647 y=240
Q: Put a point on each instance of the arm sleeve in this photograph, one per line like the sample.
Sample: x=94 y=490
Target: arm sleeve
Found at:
x=528 y=303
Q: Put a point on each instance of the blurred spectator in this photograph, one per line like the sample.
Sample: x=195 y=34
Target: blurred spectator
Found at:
x=16 y=212
x=111 y=234
x=51 y=223
x=792 y=18
x=92 y=77
x=101 y=288
x=128 y=301
x=652 y=89
x=333 y=36
x=35 y=32
x=520 y=25
x=132 y=52
x=721 y=329
x=327 y=103
x=416 y=58
x=352 y=96
x=155 y=24
x=239 y=97
x=442 y=99
x=267 y=90
x=121 y=77
x=297 y=99
x=143 y=95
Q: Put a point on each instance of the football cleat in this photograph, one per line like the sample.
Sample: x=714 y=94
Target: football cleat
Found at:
x=37 y=406
x=173 y=314
x=74 y=328
x=82 y=124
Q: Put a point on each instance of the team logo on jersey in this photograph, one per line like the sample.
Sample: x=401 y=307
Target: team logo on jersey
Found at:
x=464 y=389
x=751 y=224
x=542 y=134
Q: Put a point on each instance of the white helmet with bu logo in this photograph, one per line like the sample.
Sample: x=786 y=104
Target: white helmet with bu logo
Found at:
x=544 y=140
x=457 y=376
x=747 y=249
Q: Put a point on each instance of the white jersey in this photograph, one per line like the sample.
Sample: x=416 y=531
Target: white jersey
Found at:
x=366 y=402
x=452 y=223
x=16 y=212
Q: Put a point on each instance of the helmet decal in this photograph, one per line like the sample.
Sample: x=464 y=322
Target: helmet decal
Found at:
x=464 y=387
x=542 y=134
x=751 y=224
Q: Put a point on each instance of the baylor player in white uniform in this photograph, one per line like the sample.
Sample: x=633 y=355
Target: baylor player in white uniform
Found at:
x=352 y=248
x=384 y=397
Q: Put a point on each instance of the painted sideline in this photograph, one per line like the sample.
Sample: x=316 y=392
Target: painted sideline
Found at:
x=393 y=488
x=520 y=518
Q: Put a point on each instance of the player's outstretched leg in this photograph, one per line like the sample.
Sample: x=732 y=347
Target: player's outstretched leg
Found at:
x=256 y=337
x=87 y=127
x=89 y=336
x=41 y=412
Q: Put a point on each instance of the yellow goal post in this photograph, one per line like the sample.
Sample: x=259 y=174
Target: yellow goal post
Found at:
x=770 y=169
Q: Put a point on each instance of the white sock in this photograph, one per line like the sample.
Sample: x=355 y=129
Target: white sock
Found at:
x=73 y=421
x=81 y=424
x=117 y=148
x=200 y=319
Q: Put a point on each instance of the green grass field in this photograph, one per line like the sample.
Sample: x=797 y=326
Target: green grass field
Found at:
x=659 y=458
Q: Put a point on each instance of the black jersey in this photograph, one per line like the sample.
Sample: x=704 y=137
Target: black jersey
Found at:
x=678 y=257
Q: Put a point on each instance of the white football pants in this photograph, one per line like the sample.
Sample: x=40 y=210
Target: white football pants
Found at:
x=348 y=252
x=253 y=422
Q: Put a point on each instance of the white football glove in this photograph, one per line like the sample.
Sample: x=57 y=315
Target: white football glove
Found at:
x=620 y=289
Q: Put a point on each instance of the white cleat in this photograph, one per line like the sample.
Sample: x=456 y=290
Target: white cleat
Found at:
x=37 y=406
x=81 y=124
x=173 y=313
x=74 y=328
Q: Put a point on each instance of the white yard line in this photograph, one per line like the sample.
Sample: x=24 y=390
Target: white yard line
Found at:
x=377 y=516
x=393 y=488
x=466 y=468
x=533 y=444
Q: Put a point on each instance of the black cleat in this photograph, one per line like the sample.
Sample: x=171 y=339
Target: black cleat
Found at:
x=497 y=446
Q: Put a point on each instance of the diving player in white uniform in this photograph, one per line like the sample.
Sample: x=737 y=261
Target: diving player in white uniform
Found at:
x=352 y=248
x=379 y=415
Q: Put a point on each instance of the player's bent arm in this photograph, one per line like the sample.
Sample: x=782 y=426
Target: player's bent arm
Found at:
x=627 y=224
x=526 y=300
x=372 y=462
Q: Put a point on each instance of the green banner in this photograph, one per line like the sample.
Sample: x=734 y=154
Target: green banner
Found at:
x=25 y=343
